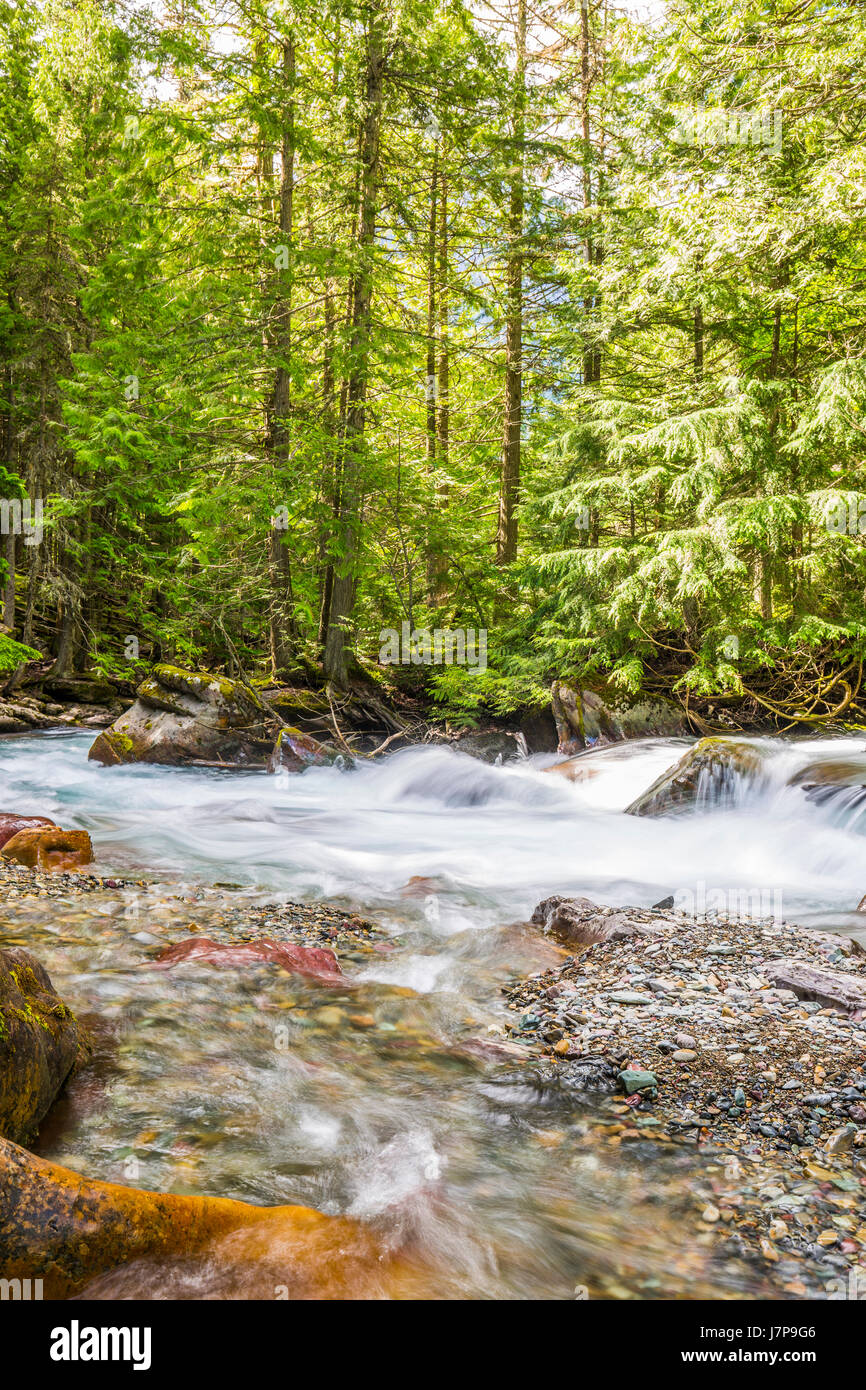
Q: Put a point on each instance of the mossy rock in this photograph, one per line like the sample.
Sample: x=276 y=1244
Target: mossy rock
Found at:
x=708 y=775
x=41 y=1044
x=182 y=717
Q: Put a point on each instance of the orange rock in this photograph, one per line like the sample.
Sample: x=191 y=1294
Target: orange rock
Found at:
x=10 y=824
x=50 y=850
x=76 y=1234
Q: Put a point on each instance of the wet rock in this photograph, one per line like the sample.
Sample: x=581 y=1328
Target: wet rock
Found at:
x=315 y=962
x=633 y=1082
x=187 y=717
x=295 y=751
x=51 y=851
x=10 y=824
x=75 y=1233
x=492 y=745
x=573 y=921
x=18 y=715
x=419 y=886
x=587 y=717
x=41 y=1044
x=555 y=1084
x=709 y=774
x=576 y=769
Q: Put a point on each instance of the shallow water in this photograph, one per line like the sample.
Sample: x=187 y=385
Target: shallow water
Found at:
x=258 y=1086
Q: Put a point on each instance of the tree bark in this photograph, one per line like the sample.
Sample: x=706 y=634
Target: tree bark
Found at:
x=509 y=488
x=337 y=643
x=281 y=623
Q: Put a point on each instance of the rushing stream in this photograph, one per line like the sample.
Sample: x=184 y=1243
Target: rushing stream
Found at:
x=262 y=1087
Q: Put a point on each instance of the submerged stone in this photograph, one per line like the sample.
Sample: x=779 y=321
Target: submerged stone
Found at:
x=41 y=1044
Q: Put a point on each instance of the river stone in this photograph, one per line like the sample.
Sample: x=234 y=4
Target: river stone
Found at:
x=182 y=717
x=10 y=824
x=41 y=1044
x=52 y=851
x=295 y=751
x=68 y=1230
x=633 y=1081
x=829 y=988
x=573 y=921
x=315 y=962
x=710 y=771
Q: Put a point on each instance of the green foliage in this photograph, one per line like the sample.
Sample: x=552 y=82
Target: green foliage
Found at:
x=180 y=365
x=14 y=654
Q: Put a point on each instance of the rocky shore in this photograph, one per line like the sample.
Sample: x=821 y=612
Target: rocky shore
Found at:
x=686 y=1026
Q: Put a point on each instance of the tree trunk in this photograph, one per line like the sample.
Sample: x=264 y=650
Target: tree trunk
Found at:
x=281 y=622
x=351 y=500
x=509 y=488
x=431 y=383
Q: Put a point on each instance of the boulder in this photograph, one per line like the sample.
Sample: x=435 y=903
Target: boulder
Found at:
x=837 y=783
x=10 y=824
x=315 y=962
x=52 y=851
x=307 y=710
x=295 y=751
x=41 y=1044
x=573 y=921
x=74 y=1233
x=707 y=775
x=578 y=922
x=82 y=690
x=585 y=718
x=187 y=717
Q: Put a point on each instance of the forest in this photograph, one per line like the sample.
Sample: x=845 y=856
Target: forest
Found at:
x=432 y=643
x=543 y=320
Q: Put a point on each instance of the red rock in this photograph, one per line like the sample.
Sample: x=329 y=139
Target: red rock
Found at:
x=316 y=962
x=51 y=850
x=10 y=824
x=419 y=887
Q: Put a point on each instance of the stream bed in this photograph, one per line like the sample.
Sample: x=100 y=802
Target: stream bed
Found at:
x=371 y=1100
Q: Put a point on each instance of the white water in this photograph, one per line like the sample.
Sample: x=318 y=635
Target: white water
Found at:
x=495 y=839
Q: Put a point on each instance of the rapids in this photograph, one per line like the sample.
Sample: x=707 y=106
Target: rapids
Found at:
x=387 y=1123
